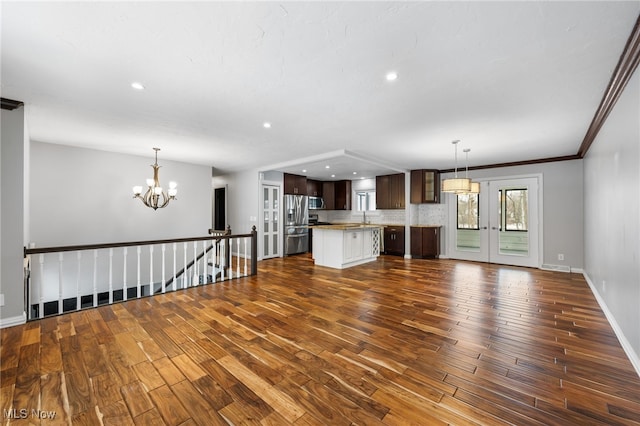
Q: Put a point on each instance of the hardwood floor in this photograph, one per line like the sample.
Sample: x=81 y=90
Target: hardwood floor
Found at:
x=393 y=342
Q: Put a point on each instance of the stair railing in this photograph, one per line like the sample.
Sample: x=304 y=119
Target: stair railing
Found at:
x=71 y=278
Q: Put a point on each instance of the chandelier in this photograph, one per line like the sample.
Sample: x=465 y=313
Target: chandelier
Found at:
x=155 y=197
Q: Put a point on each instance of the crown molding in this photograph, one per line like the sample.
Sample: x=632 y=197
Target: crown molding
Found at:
x=627 y=65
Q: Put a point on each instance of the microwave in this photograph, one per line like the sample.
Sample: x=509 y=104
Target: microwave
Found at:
x=316 y=203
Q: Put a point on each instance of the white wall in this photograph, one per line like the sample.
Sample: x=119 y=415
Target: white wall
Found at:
x=243 y=200
x=12 y=154
x=83 y=196
x=562 y=207
x=612 y=218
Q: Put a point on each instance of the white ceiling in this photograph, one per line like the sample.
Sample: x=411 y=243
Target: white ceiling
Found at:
x=512 y=80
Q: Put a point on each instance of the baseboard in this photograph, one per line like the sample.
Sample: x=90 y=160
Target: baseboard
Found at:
x=558 y=268
x=11 y=321
x=626 y=346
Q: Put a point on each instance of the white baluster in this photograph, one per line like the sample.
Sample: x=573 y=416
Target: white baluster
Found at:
x=78 y=299
x=139 y=250
x=223 y=258
x=196 y=273
x=238 y=258
x=124 y=275
x=214 y=257
x=184 y=273
x=150 y=270
x=230 y=254
x=110 y=275
x=245 y=257
x=41 y=286
x=95 y=278
x=204 y=262
x=60 y=286
x=163 y=266
x=173 y=283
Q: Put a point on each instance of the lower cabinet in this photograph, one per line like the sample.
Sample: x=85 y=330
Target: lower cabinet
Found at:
x=425 y=241
x=394 y=240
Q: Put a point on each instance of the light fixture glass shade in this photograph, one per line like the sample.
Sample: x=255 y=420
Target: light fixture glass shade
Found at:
x=150 y=182
x=456 y=185
x=172 y=185
x=137 y=190
x=172 y=192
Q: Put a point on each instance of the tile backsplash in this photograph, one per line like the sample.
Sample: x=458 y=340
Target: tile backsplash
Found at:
x=420 y=214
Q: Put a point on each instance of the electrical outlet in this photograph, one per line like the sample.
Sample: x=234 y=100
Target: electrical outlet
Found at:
x=560 y=256
x=1 y=299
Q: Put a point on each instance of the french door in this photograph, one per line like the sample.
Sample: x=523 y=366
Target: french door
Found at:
x=271 y=212
x=498 y=225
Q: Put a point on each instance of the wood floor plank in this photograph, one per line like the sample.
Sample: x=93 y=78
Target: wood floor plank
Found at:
x=169 y=407
x=396 y=342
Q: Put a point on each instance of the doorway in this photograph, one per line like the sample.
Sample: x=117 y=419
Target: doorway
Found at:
x=219 y=209
x=498 y=225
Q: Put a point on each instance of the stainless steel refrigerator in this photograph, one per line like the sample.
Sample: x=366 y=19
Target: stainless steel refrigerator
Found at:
x=296 y=222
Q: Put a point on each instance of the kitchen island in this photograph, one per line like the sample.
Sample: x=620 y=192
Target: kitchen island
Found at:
x=345 y=245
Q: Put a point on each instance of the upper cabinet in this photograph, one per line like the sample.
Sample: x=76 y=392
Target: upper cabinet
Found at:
x=314 y=188
x=390 y=192
x=295 y=184
x=343 y=195
x=425 y=186
x=337 y=195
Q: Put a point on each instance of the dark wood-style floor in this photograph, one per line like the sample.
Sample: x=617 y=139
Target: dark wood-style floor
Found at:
x=394 y=342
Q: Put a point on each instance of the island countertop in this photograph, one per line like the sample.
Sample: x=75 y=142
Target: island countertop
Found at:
x=346 y=226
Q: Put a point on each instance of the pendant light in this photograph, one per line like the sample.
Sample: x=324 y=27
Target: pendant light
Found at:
x=475 y=186
x=456 y=185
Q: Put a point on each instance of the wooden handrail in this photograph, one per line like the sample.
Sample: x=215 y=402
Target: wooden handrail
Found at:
x=29 y=251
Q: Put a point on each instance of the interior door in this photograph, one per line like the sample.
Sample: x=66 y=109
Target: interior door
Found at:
x=499 y=225
x=271 y=244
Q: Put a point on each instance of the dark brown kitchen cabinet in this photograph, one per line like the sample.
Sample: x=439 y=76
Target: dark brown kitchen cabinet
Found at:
x=314 y=188
x=394 y=240
x=390 y=192
x=329 y=195
x=425 y=186
x=343 y=195
x=295 y=184
x=337 y=195
x=425 y=241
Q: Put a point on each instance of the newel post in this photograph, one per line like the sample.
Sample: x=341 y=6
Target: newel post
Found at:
x=254 y=251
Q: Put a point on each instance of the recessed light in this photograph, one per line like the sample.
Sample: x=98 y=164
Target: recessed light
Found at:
x=327 y=167
x=355 y=173
x=137 y=85
x=304 y=170
x=266 y=125
x=392 y=76
x=333 y=175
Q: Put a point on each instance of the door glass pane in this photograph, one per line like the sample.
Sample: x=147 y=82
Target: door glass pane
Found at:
x=267 y=252
x=468 y=228
x=514 y=222
x=266 y=198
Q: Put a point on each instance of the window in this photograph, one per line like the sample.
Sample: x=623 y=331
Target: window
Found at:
x=366 y=200
x=468 y=212
x=515 y=205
